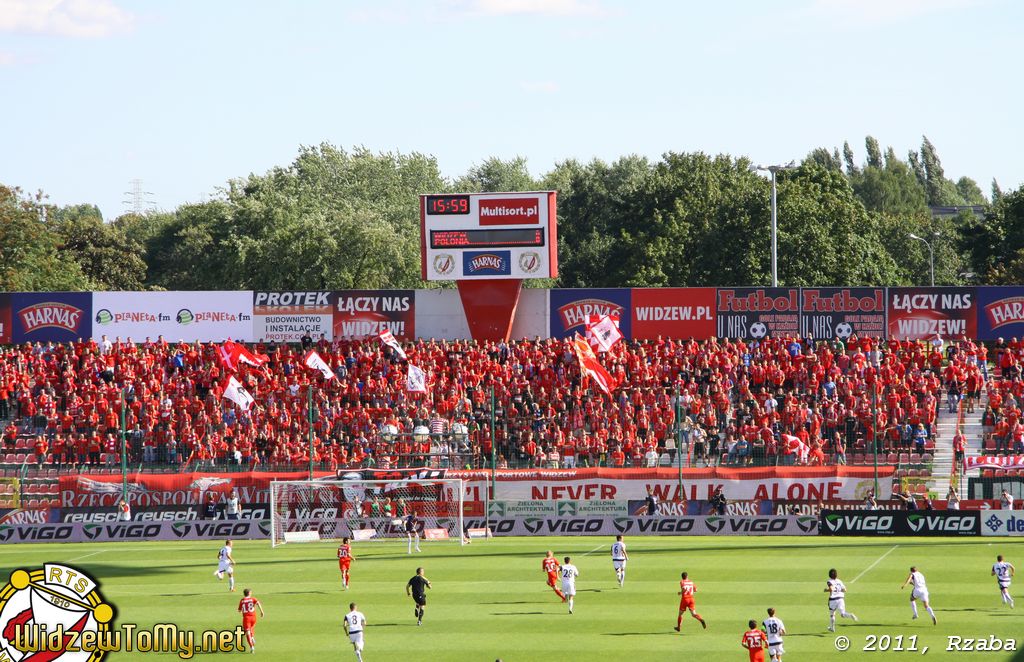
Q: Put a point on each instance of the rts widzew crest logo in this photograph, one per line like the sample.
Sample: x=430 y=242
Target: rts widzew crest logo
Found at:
x=58 y=603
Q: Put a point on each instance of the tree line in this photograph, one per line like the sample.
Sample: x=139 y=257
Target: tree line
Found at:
x=339 y=219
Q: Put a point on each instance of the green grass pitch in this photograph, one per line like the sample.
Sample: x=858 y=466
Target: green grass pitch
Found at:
x=489 y=599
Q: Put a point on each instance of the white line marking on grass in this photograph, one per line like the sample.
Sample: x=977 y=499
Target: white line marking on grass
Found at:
x=877 y=561
x=87 y=556
x=594 y=550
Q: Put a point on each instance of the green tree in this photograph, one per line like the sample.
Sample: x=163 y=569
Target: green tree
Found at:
x=109 y=258
x=30 y=259
x=970 y=192
x=494 y=175
x=874 y=152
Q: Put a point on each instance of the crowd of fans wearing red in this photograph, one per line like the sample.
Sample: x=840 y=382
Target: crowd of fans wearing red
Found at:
x=1004 y=428
x=734 y=400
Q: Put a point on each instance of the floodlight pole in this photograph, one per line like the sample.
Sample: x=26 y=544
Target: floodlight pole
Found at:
x=774 y=169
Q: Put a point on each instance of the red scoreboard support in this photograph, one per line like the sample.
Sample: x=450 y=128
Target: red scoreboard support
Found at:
x=489 y=243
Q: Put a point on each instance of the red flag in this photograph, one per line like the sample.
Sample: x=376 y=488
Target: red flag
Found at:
x=231 y=354
x=592 y=368
x=313 y=361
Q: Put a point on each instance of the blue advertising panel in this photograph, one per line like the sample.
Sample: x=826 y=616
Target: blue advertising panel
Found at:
x=51 y=316
x=486 y=263
x=570 y=309
x=1000 y=312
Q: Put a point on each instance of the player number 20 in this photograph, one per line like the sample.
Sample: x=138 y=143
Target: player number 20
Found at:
x=884 y=642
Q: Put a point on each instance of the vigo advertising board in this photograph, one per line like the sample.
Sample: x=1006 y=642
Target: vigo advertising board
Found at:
x=1000 y=312
x=51 y=316
x=365 y=313
x=134 y=531
x=606 y=525
x=789 y=483
x=288 y=316
x=840 y=312
x=572 y=308
x=673 y=312
x=190 y=316
x=901 y=523
x=756 y=312
x=921 y=313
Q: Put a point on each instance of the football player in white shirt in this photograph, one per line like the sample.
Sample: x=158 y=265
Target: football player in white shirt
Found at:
x=619 y=558
x=355 y=623
x=569 y=575
x=920 y=592
x=836 y=590
x=1003 y=571
x=226 y=564
x=775 y=629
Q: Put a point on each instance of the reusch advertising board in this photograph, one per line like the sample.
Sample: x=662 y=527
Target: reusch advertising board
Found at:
x=921 y=313
x=1000 y=312
x=572 y=308
x=756 y=312
x=840 y=312
x=51 y=316
x=365 y=313
x=189 y=316
x=673 y=312
x=288 y=316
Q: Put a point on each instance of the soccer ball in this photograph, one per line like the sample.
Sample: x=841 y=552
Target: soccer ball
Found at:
x=758 y=330
x=844 y=330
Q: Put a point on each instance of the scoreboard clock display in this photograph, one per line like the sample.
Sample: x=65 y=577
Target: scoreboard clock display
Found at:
x=488 y=235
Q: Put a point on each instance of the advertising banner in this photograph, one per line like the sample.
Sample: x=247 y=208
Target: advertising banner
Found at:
x=901 y=523
x=827 y=313
x=254 y=511
x=762 y=484
x=921 y=313
x=557 y=508
x=185 y=489
x=673 y=312
x=189 y=316
x=1000 y=312
x=288 y=316
x=605 y=525
x=1003 y=523
x=756 y=312
x=365 y=313
x=572 y=308
x=6 y=330
x=51 y=316
x=134 y=531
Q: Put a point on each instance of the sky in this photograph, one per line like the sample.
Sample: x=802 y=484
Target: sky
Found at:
x=185 y=95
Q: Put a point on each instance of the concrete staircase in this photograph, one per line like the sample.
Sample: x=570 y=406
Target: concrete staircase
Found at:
x=942 y=468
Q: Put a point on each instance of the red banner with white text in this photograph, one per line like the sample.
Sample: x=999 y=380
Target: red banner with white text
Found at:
x=790 y=483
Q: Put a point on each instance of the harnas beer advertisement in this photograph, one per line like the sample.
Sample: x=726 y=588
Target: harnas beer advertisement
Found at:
x=840 y=312
x=756 y=312
x=288 y=316
x=1001 y=312
x=571 y=309
x=51 y=316
x=673 y=312
x=365 y=313
x=921 y=313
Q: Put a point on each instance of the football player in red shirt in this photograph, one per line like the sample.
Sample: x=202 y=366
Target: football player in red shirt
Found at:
x=344 y=561
x=248 y=606
x=755 y=641
x=550 y=565
x=686 y=590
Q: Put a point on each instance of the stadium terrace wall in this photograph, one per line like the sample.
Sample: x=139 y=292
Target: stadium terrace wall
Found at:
x=644 y=313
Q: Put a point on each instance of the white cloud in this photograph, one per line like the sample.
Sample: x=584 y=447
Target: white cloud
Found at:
x=884 y=11
x=539 y=86
x=533 y=7
x=65 y=18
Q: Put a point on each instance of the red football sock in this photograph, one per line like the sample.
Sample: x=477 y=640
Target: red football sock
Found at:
x=679 y=621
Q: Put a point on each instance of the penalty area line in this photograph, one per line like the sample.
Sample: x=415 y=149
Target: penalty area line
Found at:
x=87 y=556
x=593 y=550
x=877 y=561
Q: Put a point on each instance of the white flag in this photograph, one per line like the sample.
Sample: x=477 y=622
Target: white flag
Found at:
x=389 y=339
x=315 y=362
x=416 y=380
x=235 y=392
x=604 y=332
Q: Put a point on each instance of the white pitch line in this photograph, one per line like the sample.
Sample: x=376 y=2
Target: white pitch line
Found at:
x=879 y=560
x=594 y=550
x=87 y=556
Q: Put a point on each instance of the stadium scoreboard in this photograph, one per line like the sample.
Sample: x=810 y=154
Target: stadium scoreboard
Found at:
x=466 y=236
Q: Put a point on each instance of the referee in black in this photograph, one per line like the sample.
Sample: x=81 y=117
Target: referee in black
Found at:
x=417 y=588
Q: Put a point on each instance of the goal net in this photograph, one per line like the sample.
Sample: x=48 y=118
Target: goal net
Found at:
x=312 y=510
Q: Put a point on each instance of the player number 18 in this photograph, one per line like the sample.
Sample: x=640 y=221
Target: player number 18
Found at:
x=884 y=642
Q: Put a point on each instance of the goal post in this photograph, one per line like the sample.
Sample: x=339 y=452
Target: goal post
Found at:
x=366 y=510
